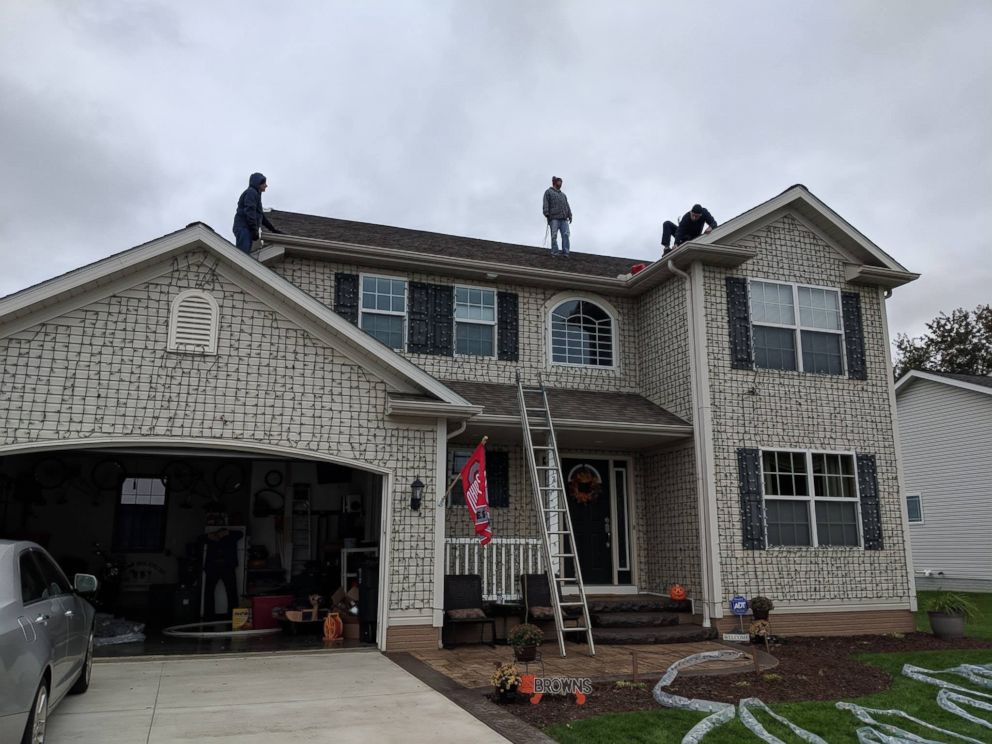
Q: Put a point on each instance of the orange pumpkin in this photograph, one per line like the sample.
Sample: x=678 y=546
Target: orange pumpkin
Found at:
x=677 y=592
x=333 y=627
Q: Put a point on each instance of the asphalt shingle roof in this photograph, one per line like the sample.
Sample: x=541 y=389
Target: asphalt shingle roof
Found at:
x=983 y=380
x=439 y=244
x=588 y=405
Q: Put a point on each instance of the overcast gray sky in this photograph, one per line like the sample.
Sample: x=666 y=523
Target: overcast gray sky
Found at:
x=121 y=121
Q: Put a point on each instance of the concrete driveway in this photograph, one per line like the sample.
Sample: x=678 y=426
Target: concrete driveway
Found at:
x=338 y=697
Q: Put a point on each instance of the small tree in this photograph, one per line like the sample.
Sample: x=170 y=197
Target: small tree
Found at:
x=960 y=342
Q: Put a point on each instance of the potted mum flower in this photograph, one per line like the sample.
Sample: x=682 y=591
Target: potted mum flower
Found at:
x=525 y=638
x=505 y=681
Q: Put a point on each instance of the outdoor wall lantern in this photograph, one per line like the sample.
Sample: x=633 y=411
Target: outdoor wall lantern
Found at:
x=416 y=494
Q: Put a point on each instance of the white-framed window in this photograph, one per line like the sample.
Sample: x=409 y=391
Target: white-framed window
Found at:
x=193 y=322
x=475 y=321
x=811 y=498
x=582 y=334
x=382 y=310
x=796 y=327
x=914 y=508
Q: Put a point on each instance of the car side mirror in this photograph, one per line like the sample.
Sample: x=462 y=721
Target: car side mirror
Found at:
x=84 y=583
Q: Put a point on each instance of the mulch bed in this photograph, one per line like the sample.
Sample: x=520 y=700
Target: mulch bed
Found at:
x=808 y=669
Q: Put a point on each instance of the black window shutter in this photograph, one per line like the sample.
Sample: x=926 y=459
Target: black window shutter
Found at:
x=508 y=341
x=498 y=478
x=871 y=512
x=430 y=315
x=443 y=336
x=752 y=508
x=346 y=296
x=418 y=339
x=739 y=318
x=854 y=335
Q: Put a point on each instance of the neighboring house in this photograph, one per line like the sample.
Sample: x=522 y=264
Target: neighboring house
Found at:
x=945 y=431
x=725 y=416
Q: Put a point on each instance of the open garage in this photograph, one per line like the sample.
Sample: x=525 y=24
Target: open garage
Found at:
x=183 y=535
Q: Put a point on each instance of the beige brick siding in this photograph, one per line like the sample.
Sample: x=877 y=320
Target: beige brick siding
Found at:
x=663 y=335
x=103 y=371
x=317 y=279
x=771 y=409
x=668 y=521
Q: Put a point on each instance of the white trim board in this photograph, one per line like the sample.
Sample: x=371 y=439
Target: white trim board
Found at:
x=913 y=375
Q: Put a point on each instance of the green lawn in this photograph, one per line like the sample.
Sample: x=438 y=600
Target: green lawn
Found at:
x=837 y=727
x=979 y=628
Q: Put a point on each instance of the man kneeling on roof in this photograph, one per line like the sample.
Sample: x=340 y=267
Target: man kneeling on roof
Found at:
x=689 y=228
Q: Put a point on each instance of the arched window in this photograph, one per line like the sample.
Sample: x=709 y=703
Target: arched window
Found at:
x=193 y=323
x=581 y=333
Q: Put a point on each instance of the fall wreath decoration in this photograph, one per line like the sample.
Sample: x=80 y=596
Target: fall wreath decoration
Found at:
x=585 y=485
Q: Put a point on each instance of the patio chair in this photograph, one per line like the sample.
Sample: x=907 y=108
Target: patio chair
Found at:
x=463 y=605
x=537 y=600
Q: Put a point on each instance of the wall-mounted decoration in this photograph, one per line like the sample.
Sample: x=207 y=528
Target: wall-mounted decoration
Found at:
x=273 y=478
x=585 y=484
x=228 y=478
x=50 y=472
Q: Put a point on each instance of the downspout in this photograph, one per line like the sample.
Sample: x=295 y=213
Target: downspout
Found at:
x=459 y=430
x=698 y=436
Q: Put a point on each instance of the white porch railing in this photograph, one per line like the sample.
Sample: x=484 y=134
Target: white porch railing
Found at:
x=499 y=563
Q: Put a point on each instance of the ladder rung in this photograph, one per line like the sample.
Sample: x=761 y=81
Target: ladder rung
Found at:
x=554 y=510
x=574 y=629
x=571 y=604
x=546 y=467
x=563 y=555
x=540 y=446
x=559 y=532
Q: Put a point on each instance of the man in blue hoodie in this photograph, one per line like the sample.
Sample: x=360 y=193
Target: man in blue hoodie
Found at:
x=249 y=217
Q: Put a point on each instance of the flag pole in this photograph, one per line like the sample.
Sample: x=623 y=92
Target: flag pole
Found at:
x=456 y=476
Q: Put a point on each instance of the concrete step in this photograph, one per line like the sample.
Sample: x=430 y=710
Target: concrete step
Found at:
x=685 y=633
x=634 y=619
x=637 y=603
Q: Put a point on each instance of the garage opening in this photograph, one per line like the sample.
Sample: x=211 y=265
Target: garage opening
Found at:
x=187 y=537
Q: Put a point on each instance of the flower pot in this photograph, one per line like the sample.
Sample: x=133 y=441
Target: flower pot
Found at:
x=506 y=696
x=525 y=653
x=948 y=627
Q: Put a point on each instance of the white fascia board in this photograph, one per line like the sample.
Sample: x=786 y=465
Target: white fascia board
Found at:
x=875 y=275
x=431 y=408
x=199 y=235
x=907 y=379
x=789 y=197
x=456 y=265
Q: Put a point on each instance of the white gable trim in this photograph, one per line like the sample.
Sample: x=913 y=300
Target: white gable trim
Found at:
x=76 y=287
x=800 y=199
x=910 y=377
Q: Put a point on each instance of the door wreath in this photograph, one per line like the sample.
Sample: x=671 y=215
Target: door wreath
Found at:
x=584 y=484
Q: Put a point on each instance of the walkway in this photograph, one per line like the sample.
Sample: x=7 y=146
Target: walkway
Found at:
x=339 y=697
x=471 y=666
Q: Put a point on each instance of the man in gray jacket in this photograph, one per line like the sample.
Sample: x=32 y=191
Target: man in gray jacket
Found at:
x=558 y=214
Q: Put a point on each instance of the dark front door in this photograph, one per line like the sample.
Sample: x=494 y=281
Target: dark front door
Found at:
x=587 y=485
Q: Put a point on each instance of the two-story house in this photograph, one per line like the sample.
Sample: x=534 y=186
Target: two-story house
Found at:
x=725 y=416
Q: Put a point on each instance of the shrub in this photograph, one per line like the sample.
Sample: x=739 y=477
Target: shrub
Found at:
x=761 y=604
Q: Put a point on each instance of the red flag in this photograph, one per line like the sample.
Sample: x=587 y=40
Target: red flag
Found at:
x=476 y=497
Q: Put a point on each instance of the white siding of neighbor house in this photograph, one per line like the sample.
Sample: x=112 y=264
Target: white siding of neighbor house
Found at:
x=946 y=436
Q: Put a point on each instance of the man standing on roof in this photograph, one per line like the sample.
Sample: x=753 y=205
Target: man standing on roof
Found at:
x=558 y=214
x=689 y=228
x=249 y=217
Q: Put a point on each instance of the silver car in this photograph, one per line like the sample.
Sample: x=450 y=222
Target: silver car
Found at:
x=46 y=639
